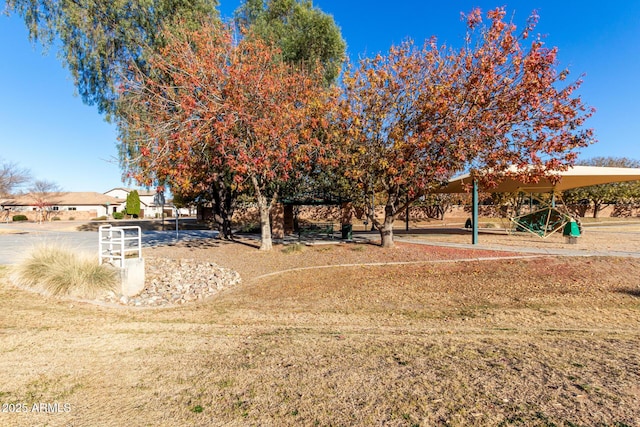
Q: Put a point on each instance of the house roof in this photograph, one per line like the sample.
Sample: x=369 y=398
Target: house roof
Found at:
x=129 y=190
x=574 y=177
x=65 y=199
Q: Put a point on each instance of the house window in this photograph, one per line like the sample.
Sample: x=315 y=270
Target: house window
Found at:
x=72 y=208
x=55 y=208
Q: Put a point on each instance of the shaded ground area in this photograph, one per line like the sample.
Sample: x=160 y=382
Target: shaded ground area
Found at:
x=599 y=239
x=542 y=341
x=168 y=224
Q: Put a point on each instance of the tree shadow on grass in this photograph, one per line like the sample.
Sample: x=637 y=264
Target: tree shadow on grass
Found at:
x=634 y=292
x=447 y=231
x=144 y=225
x=206 y=242
x=166 y=238
x=435 y=231
x=147 y=225
x=216 y=243
x=197 y=244
x=244 y=242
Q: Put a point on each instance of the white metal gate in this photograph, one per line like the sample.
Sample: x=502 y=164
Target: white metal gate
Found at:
x=118 y=243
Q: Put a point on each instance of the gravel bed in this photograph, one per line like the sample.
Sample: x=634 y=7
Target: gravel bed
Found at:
x=177 y=281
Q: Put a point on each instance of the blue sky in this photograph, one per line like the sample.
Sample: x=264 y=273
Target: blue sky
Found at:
x=48 y=130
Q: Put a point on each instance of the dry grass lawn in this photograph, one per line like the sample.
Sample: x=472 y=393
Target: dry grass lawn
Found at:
x=523 y=342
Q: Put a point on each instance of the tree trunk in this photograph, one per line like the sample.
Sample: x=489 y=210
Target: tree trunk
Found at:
x=266 y=243
x=596 y=209
x=223 y=201
x=386 y=230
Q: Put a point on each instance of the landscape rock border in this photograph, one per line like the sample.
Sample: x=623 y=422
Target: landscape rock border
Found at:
x=171 y=282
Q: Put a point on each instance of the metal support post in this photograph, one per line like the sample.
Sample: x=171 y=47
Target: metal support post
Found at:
x=474 y=217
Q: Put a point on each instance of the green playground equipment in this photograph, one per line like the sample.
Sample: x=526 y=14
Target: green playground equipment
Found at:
x=547 y=220
x=543 y=222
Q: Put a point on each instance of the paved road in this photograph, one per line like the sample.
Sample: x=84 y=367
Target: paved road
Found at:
x=14 y=247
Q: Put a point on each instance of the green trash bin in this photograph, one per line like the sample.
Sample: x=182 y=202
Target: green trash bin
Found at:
x=571 y=229
x=347 y=231
x=571 y=232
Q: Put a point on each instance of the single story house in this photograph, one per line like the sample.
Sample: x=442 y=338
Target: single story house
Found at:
x=62 y=205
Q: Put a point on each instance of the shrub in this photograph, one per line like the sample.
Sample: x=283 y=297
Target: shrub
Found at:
x=132 y=206
x=61 y=272
x=99 y=218
x=118 y=215
x=72 y=218
x=55 y=218
x=296 y=247
x=20 y=218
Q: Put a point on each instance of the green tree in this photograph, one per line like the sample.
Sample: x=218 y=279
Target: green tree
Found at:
x=99 y=38
x=304 y=33
x=599 y=197
x=132 y=206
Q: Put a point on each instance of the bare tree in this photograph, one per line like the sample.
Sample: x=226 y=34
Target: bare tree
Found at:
x=44 y=195
x=12 y=176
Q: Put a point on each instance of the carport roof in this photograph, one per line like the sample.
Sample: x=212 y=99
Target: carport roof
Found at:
x=574 y=177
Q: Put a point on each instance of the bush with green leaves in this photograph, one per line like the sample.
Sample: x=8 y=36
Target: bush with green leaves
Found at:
x=118 y=215
x=20 y=218
x=61 y=272
x=132 y=206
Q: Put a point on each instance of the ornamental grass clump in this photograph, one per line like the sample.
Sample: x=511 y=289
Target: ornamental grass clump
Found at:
x=60 y=272
x=296 y=247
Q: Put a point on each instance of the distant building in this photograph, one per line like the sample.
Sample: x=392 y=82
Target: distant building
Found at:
x=148 y=206
x=82 y=205
x=62 y=205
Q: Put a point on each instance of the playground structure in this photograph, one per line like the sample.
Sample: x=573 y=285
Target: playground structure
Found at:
x=548 y=218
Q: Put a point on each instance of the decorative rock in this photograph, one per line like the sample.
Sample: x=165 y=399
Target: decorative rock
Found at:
x=170 y=282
